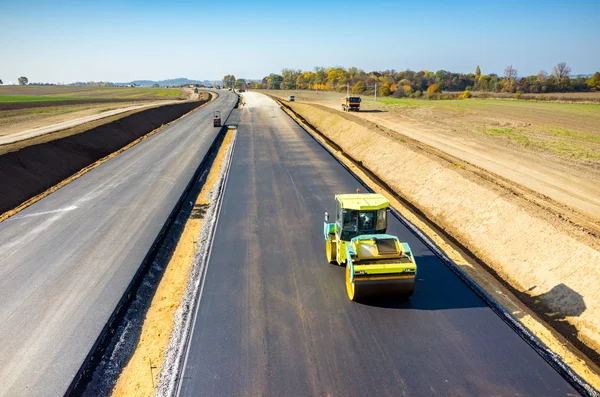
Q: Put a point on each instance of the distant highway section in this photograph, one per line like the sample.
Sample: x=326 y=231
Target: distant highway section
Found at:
x=66 y=260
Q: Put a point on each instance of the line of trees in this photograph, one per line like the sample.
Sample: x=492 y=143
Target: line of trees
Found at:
x=414 y=84
x=230 y=81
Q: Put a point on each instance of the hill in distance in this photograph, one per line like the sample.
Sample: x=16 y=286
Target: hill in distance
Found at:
x=172 y=82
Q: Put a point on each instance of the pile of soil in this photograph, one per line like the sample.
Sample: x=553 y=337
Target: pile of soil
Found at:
x=27 y=172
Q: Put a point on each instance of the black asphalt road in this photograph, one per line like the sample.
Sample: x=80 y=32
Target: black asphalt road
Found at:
x=66 y=261
x=274 y=318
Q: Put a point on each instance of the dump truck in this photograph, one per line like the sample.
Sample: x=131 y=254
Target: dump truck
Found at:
x=376 y=263
x=216 y=118
x=351 y=103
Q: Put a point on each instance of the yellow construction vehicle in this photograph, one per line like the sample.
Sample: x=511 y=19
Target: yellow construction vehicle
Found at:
x=376 y=262
x=351 y=103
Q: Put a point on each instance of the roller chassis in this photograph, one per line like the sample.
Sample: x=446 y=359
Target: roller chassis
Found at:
x=376 y=263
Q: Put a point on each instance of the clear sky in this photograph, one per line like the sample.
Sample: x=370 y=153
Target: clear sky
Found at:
x=111 y=40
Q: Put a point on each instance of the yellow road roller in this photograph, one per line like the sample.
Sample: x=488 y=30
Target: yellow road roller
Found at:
x=376 y=263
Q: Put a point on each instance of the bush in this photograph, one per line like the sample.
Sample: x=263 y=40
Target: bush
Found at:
x=433 y=89
x=465 y=95
x=399 y=93
x=518 y=94
x=418 y=94
x=449 y=95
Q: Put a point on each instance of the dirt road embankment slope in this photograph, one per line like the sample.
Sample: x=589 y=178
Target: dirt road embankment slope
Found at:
x=31 y=170
x=553 y=265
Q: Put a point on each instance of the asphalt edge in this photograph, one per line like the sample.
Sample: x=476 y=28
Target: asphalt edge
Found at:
x=547 y=354
x=191 y=324
x=86 y=370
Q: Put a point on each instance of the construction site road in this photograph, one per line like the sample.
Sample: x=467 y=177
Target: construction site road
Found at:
x=66 y=261
x=274 y=318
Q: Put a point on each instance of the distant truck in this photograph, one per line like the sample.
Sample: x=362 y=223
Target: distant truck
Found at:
x=351 y=103
x=292 y=98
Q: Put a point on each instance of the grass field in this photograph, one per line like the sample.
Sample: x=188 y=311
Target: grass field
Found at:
x=63 y=93
x=26 y=107
x=32 y=98
x=568 y=130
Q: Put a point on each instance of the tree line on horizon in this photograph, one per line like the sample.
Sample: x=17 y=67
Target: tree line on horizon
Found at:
x=410 y=83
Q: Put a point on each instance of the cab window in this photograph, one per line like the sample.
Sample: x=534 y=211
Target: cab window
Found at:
x=366 y=220
x=349 y=218
x=381 y=219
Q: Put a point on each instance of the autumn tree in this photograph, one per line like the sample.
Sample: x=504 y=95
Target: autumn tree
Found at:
x=384 y=90
x=359 y=87
x=228 y=80
x=399 y=92
x=274 y=81
x=561 y=71
x=594 y=82
x=433 y=89
x=477 y=72
x=240 y=84
x=542 y=77
x=510 y=74
x=23 y=80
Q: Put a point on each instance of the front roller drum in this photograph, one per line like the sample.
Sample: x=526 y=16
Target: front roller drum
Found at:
x=394 y=288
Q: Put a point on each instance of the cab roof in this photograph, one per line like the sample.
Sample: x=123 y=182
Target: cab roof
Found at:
x=363 y=201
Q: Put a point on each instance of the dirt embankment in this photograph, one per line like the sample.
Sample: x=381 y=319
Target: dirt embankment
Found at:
x=31 y=170
x=555 y=269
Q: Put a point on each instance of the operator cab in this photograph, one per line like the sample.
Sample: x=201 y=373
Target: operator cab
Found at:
x=359 y=214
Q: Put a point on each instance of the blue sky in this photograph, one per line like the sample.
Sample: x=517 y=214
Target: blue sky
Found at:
x=67 y=40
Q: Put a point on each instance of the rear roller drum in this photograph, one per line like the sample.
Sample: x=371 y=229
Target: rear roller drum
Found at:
x=330 y=252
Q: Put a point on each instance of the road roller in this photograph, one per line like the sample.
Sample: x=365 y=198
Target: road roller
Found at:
x=376 y=263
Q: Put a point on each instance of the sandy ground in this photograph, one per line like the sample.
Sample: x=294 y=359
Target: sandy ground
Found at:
x=521 y=142
x=140 y=376
x=509 y=239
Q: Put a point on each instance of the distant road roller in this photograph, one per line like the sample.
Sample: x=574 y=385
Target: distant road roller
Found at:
x=217 y=118
x=376 y=263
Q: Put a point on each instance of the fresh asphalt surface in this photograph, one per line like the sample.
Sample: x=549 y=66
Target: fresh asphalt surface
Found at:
x=66 y=261
x=274 y=318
